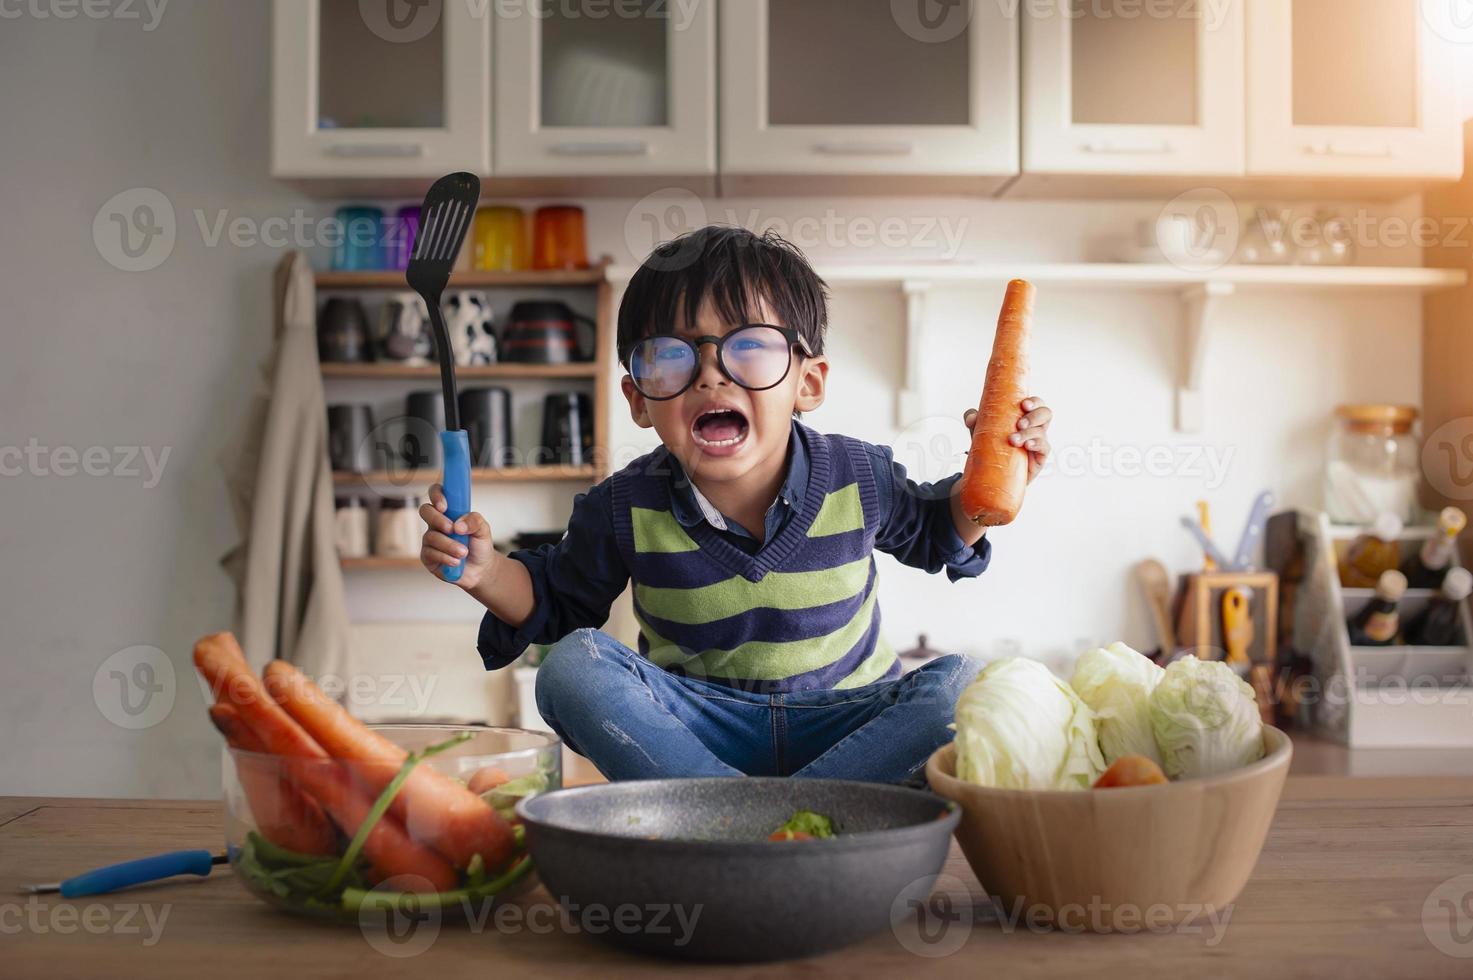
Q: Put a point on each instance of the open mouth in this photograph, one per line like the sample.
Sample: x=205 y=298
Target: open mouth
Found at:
x=719 y=428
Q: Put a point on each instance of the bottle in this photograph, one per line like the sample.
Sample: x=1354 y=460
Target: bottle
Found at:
x=350 y=525
x=1425 y=569
x=1377 y=624
x=1439 y=625
x=399 y=528
x=1372 y=553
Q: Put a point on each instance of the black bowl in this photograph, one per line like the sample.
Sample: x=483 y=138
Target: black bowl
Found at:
x=688 y=863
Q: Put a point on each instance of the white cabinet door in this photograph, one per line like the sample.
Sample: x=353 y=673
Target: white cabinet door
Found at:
x=868 y=87
x=631 y=91
x=1158 y=92
x=358 y=91
x=1350 y=88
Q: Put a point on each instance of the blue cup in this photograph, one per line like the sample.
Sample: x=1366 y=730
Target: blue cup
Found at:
x=362 y=243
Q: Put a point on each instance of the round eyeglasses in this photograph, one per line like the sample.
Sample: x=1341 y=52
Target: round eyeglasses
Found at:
x=757 y=357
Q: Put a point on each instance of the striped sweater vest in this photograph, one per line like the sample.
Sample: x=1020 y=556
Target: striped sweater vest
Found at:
x=801 y=614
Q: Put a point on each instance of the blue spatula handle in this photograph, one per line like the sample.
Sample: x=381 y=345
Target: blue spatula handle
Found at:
x=456 y=482
x=116 y=876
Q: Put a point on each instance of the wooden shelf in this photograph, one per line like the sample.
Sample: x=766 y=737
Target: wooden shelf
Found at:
x=380 y=370
x=505 y=474
x=463 y=279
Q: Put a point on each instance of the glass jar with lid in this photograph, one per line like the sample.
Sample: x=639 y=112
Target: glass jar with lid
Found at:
x=1372 y=467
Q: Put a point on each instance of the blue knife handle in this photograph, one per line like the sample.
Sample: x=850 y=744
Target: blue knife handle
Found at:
x=116 y=876
x=456 y=483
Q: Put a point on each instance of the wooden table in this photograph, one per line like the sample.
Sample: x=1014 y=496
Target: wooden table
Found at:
x=1339 y=891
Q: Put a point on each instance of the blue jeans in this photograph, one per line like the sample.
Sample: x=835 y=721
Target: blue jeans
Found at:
x=634 y=720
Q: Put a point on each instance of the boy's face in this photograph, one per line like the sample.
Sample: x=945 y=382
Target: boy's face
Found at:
x=716 y=427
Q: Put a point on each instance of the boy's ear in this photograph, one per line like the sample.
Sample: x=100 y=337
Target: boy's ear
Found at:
x=812 y=377
x=638 y=407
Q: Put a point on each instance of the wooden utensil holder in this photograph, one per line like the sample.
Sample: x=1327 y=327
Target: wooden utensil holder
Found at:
x=1199 y=621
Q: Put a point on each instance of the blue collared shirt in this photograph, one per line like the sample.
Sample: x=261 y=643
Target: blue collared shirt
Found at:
x=575 y=581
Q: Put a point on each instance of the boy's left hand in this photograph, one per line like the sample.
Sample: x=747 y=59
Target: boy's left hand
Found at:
x=1032 y=432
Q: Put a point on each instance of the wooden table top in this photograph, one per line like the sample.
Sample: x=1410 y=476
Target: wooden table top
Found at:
x=1358 y=879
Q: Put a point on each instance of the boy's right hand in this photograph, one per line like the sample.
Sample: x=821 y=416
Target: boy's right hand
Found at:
x=438 y=549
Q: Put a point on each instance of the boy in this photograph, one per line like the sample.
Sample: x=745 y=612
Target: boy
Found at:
x=748 y=537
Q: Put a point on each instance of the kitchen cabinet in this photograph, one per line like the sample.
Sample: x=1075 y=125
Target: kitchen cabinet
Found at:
x=1350 y=88
x=379 y=90
x=868 y=87
x=632 y=92
x=1108 y=94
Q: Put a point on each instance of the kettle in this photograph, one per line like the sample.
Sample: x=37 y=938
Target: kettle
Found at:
x=546 y=332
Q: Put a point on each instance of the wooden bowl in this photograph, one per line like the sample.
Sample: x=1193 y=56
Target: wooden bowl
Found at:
x=1117 y=859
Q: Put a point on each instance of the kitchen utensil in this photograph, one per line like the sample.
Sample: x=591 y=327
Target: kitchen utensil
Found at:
x=446 y=214
x=701 y=843
x=424 y=419
x=1204 y=521
x=401 y=237
x=398 y=528
x=350 y=444
x=567 y=428
x=1155 y=584
x=100 y=881
x=361 y=245
x=350 y=527
x=256 y=783
x=499 y=240
x=1252 y=532
x=1373 y=464
x=559 y=240
x=1199 y=625
x=1177 y=847
x=545 y=332
x=1212 y=557
x=342 y=332
x=1237 y=629
x=404 y=334
x=472 y=327
x=487 y=418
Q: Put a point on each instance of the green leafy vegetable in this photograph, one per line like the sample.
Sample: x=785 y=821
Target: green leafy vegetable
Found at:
x=1205 y=719
x=807 y=822
x=504 y=797
x=1116 y=682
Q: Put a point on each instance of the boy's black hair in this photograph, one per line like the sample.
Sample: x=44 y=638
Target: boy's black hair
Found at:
x=734 y=267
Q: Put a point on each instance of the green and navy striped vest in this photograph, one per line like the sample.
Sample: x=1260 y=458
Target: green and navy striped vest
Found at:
x=800 y=614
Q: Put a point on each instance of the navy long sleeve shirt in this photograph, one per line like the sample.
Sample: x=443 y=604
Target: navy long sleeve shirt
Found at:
x=575 y=581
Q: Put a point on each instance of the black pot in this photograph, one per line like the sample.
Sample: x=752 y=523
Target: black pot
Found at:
x=567 y=429
x=485 y=414
x=350 y=445
x=546 y=332
x=342 y=332
x=424 y=420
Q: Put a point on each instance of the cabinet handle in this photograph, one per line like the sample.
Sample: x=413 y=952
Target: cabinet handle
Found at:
x=375 y=150
x=1135 y=149
x=613 y=148
x=867 y=148
x=1362 y=150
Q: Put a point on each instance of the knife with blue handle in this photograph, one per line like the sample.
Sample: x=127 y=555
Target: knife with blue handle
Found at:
x=115 y=876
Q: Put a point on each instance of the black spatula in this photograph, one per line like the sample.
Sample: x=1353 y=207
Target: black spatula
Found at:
x=443 y=220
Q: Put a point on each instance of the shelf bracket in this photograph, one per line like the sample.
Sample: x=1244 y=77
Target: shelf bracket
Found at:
x=1199 y=307
x=910 y=401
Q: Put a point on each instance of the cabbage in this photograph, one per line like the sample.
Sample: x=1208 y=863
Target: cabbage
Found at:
x=1020 y=727
x=1116 y=682
x=1205 y=719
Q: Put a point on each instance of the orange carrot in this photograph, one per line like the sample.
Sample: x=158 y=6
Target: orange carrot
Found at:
x=389 y=848
x=996 y=473
x=435 y=808
x=284 y=815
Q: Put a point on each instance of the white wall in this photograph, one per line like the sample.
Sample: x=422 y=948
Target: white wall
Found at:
x=166 y=359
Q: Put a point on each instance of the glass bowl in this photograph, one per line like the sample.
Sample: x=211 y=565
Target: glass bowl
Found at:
x=292 y=824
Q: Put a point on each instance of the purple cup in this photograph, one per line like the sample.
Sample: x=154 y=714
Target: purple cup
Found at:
x=401 y=238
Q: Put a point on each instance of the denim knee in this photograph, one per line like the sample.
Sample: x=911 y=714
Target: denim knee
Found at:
x=945 y=679
x=565 y=667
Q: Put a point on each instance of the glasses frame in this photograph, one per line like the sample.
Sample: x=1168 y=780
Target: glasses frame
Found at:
x=793 y=337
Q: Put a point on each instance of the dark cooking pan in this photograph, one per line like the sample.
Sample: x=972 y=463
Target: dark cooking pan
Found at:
x=688 y=862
